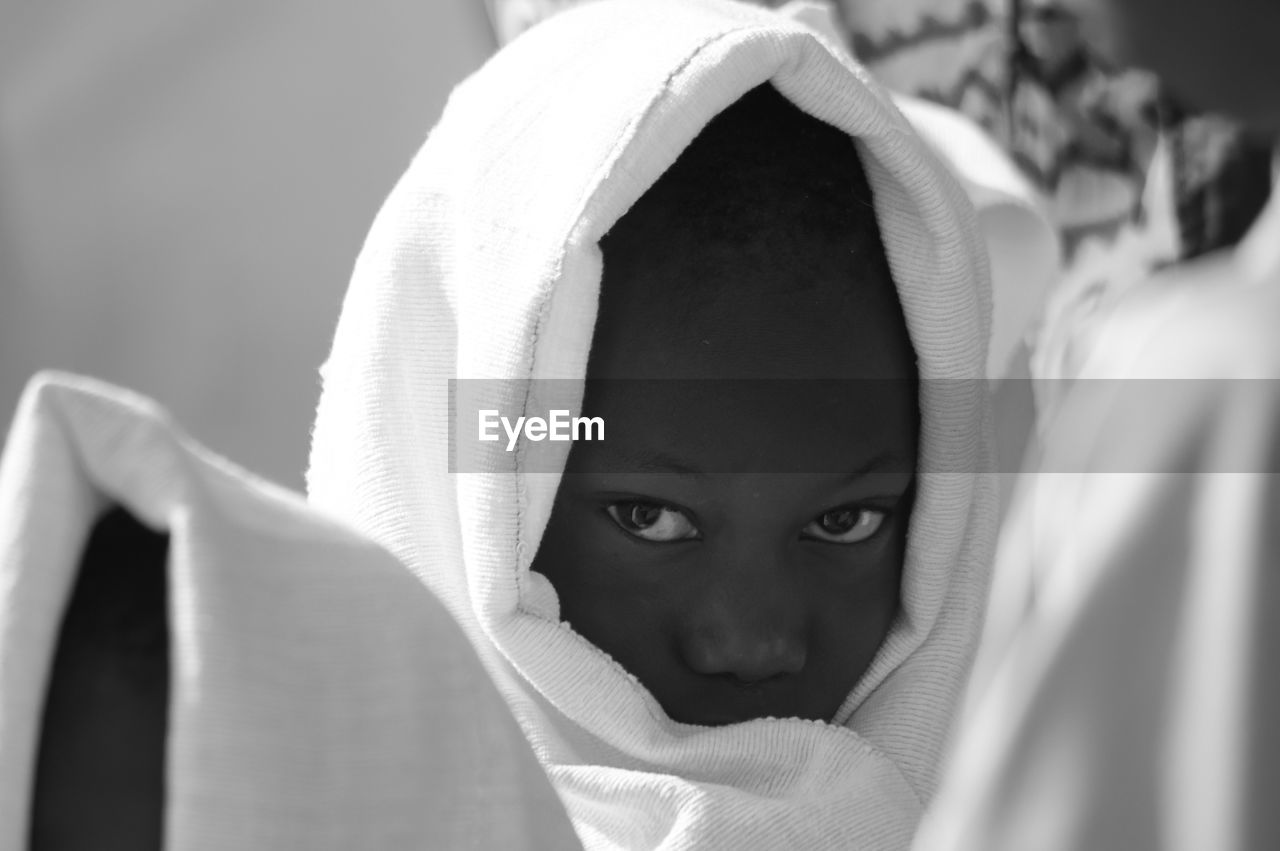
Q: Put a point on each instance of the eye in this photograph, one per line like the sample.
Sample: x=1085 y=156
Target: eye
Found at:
x=651 y=521
x=847 y=525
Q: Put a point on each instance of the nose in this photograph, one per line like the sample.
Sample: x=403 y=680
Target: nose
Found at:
x=750 y=633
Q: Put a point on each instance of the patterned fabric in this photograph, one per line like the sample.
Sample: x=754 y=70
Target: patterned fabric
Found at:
x=1134 y=183
x=1087 y=135
x=1084 y=132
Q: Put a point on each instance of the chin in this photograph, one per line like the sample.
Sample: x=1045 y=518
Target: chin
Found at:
x=712 y=719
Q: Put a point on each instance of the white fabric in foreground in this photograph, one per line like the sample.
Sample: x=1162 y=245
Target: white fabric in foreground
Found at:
x=484 y=263
x=321 y=698
x=1127 y=690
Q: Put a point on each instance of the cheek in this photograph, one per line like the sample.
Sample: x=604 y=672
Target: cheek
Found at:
x=854 y=607
x=624 y=608
x=854 y=618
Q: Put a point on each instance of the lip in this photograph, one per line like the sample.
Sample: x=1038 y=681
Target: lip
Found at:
x=722 y=716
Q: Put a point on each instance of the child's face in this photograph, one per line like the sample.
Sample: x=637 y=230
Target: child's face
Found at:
x=680 y=545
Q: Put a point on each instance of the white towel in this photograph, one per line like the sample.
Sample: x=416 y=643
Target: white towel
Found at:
x=1127 y=688
x=484 y=263
x=320 y=697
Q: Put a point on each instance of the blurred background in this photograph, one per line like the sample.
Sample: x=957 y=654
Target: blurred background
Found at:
x=185 y=184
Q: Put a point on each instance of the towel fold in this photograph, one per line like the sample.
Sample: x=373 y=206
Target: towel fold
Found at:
x=320 y=698
x=1125 y=693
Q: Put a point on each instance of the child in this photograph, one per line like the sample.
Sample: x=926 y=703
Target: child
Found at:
x=743 y=618
x=772 y=267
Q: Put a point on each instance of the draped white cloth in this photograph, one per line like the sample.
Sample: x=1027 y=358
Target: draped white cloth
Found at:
x=321 y=698
x=1126 y=691
x=484 y=263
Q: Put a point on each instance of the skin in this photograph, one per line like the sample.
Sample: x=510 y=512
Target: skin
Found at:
x=784 y=505
x=1222 y=56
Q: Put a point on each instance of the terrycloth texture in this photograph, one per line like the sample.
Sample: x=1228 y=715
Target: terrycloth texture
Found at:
x=1127 y=688
x=321 y=698
x=1022 y=243
x=484 y=263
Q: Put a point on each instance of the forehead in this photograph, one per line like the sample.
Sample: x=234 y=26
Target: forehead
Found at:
x=730 y=426
x=756 y=256
x=721 y=370
x=759 y=364
x=781 y=304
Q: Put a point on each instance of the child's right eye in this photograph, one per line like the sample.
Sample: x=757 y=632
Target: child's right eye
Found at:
x=651 y=521
x=848 y=525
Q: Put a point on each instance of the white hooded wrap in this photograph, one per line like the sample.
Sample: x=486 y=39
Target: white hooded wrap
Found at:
x=484 y=263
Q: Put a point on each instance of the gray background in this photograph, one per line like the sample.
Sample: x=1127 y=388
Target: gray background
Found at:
x=184 y=186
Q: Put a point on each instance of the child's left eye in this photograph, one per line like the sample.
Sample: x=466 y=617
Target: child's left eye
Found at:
x=849 y=525
x=651 y=521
